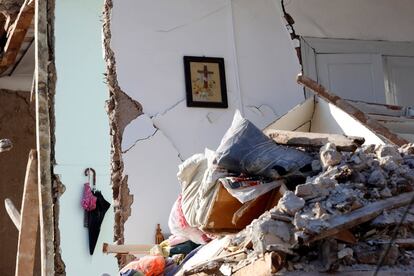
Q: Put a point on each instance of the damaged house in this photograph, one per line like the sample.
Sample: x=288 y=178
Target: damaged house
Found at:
x=98 y=92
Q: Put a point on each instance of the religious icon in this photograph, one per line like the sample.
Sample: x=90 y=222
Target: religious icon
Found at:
x=205 y=82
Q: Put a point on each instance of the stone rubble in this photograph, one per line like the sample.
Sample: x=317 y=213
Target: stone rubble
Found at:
x=346 y=182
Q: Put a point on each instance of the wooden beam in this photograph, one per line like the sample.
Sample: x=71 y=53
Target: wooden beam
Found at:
x=315 y=140
x=17 y=34
x=405 y=243
x=353 y=111
x=126 y=248
x=42 y=61
x=359 y=216
x=13 y=213
x=29 y=220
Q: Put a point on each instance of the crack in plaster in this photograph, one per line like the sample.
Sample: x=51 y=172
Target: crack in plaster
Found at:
x=141 y=139
x=172 y=144
x=157 y=129
x=193 y=20
x=258 y=108
x=291 y=30
x=153 y=118
x=162 y=113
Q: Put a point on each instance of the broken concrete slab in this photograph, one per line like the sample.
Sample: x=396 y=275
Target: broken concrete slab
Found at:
x=314 y=140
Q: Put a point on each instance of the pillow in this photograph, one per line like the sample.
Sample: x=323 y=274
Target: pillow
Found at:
x=246 y=149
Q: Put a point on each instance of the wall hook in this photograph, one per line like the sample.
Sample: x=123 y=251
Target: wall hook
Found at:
x=88 y=173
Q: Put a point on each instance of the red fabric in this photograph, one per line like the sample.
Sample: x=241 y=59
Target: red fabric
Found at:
x=149 y=265
x=179 y=226
x=181 y=218
x=88 y=200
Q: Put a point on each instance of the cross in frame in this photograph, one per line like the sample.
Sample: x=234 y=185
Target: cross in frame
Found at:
x=206 y=74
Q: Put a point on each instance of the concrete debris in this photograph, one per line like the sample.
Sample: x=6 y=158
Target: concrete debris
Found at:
x=349 y=194
x=388 y=150
x=339 y=210
x=290 y=203
x=329 y=155
x=316 y=187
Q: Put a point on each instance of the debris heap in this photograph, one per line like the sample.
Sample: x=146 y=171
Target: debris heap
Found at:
x=291 y=202
x=351 y=213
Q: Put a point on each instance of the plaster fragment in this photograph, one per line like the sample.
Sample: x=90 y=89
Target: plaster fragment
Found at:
x=290 y=203
x=329 y=156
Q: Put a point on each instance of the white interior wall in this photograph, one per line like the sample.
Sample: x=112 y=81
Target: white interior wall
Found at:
x=354 y=19
x=150 y=38
x=82 y=132
x=328 y=118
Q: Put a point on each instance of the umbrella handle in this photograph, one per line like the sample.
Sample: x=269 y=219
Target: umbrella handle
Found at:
x=87 y=173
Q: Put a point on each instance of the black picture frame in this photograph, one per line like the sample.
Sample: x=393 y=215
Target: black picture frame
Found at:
x=204 y=92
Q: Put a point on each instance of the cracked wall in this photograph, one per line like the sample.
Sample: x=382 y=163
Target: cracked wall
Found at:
x=148 y=39
x=82 y=133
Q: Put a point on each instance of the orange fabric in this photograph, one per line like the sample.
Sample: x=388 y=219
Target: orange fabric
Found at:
x=149 y=265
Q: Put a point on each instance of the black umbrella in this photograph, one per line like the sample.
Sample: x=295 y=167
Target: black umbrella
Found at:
x=96 y=216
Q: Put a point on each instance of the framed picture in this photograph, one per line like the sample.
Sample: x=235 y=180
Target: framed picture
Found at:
x=205 y=82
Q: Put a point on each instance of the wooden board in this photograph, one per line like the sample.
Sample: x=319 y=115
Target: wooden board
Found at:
x=13 y=213
x=359 y=216
x=29 y=220
x=353 y=111
x=127 y=248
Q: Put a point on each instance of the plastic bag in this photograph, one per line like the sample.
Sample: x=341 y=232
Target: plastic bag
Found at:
x=244 y=148
x=190 y=175
x=248 y=188
x=178 y=225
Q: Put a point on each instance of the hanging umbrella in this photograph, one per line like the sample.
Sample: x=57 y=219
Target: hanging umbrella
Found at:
x=96 y=216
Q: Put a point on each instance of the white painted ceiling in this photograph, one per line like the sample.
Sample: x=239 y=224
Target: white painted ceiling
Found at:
x=391 y=20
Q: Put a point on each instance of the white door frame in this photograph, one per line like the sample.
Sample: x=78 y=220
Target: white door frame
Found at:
x=312 y=46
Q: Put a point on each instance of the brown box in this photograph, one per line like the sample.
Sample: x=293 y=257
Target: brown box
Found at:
x=221 y=213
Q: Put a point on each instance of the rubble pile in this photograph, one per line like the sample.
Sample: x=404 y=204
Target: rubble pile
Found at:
x=291 y=202
x=348 y=181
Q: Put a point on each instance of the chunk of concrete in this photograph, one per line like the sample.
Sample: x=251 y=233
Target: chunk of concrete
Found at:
x=267 y=232
x=317 y=187
x=388 y=150
x=290 y=203
x=329 y=156
x=377 y=179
